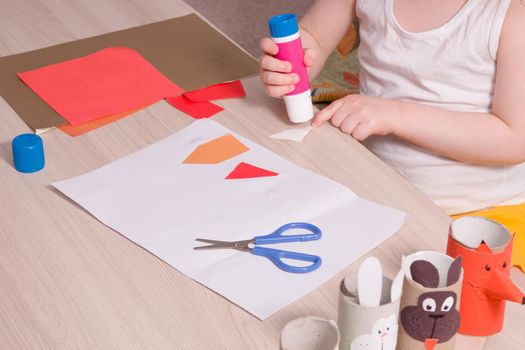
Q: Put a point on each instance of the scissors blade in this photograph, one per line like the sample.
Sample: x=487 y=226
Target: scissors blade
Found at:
x=212 y=241
x=214 y=244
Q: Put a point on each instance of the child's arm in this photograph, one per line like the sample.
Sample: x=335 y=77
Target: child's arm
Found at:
x=321 y=30
x=486 y=138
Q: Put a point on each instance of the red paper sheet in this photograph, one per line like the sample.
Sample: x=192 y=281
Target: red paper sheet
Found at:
x=105 y=83
x=197 y=110
x=248 y=171
x=230 y=89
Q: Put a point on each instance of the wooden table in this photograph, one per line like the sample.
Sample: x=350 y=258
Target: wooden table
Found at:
x=67 y=281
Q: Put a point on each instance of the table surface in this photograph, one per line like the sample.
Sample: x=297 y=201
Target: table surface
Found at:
x=67 y=281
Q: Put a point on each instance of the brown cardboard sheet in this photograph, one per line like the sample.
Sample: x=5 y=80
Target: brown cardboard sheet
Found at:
x=185 y=49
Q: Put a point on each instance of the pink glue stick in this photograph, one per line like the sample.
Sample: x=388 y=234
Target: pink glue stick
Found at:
x=285 y=33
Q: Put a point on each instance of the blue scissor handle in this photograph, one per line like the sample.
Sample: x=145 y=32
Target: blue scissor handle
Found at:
x=278 y=237
x=276 y=256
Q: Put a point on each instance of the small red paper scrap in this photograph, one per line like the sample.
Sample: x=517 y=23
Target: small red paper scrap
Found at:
x=247 y=171
x=197 y=110
x=231 y=89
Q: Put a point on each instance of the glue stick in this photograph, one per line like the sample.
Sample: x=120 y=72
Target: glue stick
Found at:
x=285 y=33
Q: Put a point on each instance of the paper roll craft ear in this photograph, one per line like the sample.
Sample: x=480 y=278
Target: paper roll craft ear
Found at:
x=367 y=327
x=429 y=317
x=486 y=249
x=310 y=333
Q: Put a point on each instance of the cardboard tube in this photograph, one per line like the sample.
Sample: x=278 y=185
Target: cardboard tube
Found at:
x=486 y=249
x=363 y=327
x=310 y=333
x=429 y=313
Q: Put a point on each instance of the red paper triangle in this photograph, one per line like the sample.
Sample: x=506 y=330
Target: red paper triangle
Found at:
x=248 y=171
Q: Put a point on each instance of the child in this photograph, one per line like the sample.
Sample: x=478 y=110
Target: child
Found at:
x=442 y=95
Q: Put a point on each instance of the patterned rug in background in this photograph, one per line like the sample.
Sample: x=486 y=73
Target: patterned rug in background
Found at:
x=340 y=75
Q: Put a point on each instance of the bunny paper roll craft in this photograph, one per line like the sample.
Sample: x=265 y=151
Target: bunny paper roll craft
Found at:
x=368 y=309
x=486 y=249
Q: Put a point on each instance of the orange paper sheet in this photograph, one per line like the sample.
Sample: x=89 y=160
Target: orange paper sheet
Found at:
x=95 y=124
x=216 y=151
x=107 y=82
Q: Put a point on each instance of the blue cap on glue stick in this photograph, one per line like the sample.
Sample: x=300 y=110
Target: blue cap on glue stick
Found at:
x=28 y=153
x=283 y=25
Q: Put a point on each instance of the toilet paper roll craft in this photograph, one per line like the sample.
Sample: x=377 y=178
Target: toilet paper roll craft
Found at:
x=429 y=316
x=310 y=333
x=486 y=249
x=367 y=316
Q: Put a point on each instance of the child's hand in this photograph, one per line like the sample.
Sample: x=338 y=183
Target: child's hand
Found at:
x=275 y=74
x=362 y=116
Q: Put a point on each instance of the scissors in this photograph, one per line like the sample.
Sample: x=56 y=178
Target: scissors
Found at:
x=275 y=255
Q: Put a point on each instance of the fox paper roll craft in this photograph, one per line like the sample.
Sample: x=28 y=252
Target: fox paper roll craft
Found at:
x=367 y=315
x=486 y=249
x=429 y=316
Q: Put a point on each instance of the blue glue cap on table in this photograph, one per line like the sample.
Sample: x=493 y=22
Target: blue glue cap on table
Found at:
x=28 y=153
x=283 y=25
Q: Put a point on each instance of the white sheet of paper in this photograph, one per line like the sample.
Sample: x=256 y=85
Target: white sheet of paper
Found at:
x=158 y=202
x=296 y=135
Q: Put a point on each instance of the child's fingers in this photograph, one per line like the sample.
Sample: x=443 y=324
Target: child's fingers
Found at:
x=326 y=113
x=309 y=57
x=270 y=63
x=278 y=90
x=340 y=115
x=267 y=45
x=362 y=131
x=274 y=78
x=349 y=125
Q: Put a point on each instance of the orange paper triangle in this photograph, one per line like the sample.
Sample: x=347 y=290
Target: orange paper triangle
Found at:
x=248 y=171
x=430 y=344
x=216 y=151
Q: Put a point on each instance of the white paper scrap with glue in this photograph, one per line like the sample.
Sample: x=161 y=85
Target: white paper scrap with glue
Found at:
x=162 y=204
x=297 y=134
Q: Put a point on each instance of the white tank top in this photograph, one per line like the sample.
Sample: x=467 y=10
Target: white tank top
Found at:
x=451 y=67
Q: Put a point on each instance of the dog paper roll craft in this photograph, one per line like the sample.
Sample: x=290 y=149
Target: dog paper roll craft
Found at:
x=367 y=315
x=429 y=316
x=486 y=249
